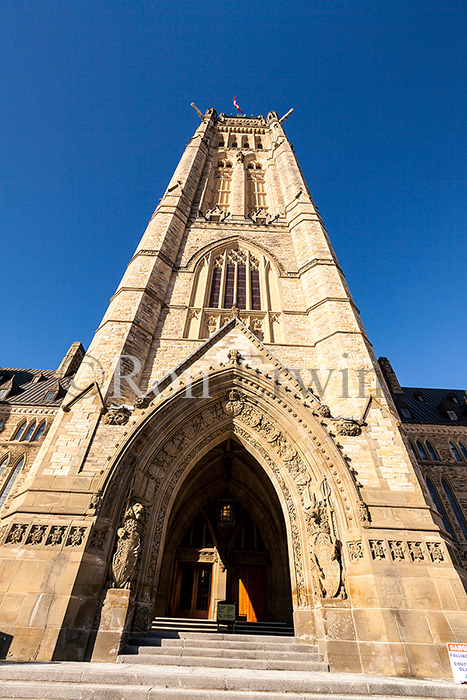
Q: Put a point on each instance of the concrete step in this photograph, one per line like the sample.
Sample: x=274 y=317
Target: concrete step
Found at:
x=18 y=690
x=222 y=662
x=95 y=681
x=224 y=653
x=232 y=643
x=209 y=636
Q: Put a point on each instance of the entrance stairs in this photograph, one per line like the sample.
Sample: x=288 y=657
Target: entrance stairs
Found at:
x=195 y=643
x=190 y=660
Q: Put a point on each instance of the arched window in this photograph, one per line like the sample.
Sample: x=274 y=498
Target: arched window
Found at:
x=455 y=452
x=255 y=188
x=235 y=280
x=431 y=449
x=455 y=507
x=28 y=434
x=413 y=449
x=19 y=432
x=221 y=185
x=4 y=463
x=421 y=449
x=439 y=506
x=2 y=422
x=463 y=449
x=11 y=480
x=40 y=432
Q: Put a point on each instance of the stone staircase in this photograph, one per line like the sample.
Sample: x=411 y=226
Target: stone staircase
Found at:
x=194 y=643
x=188 y=660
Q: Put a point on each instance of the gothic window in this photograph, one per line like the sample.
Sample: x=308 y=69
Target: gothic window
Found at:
x=431 y=450
x=255 y=188
x=28 y=434
x=455 y=452
x=421 y=449
x=413 y=449
x=39 y=433
x=11 y=480
x=4 y=464
x=235 y=280
x=1 y=423
x=463 y=449
x=222 y=185
x=455 y=507
x=439 y=506
x=19 y=432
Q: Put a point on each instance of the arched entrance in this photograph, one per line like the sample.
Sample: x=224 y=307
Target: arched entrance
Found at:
x=226 y=539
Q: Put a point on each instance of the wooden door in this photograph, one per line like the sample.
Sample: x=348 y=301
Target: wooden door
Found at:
x=250 y=591
x=193 y=592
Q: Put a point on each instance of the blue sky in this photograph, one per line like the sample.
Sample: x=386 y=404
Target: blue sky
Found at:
x=95 y=113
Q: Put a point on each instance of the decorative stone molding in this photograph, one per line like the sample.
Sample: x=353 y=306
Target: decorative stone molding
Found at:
x=355 y=550
x=234 y=405
x=397 y=550
x=347 y=427
x=45 y=534
x=117 y=416
x=416 y=551
x=378 y=550
x=97 y=539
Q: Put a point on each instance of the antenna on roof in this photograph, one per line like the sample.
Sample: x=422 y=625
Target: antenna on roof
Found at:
x=198 y=112
x=285 y=116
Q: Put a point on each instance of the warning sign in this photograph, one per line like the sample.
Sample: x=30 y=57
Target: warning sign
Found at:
x=458 y=658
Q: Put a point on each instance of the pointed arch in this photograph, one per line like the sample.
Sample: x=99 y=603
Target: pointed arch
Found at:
x=9 y=483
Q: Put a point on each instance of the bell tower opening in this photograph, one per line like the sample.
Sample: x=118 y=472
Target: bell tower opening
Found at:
x=226 y=540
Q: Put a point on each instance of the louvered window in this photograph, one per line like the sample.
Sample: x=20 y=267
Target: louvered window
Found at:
x=235 y=281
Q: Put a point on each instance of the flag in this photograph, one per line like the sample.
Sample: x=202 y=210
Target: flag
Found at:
x=236 y=105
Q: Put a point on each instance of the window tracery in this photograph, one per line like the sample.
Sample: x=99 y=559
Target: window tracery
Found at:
x=11 y=480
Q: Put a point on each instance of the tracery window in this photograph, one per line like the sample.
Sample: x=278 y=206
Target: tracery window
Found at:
x=421 y=449
x=455 y=452
x=439 y=506
x=222 y=185
x=463 y=449
x=255 y=188
x=11 y=480
x=19 y=432
x=235 y=281
x=455 y=507
x=431 y=450
x=28 y=434
x=40 y=432
x=4 y=464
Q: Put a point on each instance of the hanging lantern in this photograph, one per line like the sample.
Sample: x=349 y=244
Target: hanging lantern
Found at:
x=225 y=512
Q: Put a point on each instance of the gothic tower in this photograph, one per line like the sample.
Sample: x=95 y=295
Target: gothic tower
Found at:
x=229 y=434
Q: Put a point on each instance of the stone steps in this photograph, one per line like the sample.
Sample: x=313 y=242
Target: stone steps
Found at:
x=179 y=624
x=207 y=649
x=95 y=681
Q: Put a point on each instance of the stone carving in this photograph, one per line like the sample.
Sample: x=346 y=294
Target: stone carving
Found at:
x=126 y=557
x=378 y=550
x=436 y=552
x=75 y=537
x=324 y=411
x=355 y=550
x=143 y=401
x=234 y=405
x=211 y=323
x=348 y=427
x=396 y=547
x=416 y=551
x=56 y=535
x=364 y=513
x=97 y=539
x=16 y=534
x=117 y=416
x=95 y=501
x=36 y=534
x=234 y=357
x=324 y=553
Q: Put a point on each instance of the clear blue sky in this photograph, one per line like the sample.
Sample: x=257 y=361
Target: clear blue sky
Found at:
x=95 y=113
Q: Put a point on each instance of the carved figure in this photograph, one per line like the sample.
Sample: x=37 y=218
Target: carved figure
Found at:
x=328 y=567
x=117 y=416
x=126 y=557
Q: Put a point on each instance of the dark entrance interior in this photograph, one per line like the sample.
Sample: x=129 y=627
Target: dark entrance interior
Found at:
x=226 y=540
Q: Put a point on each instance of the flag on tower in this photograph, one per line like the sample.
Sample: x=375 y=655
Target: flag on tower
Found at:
x=236 y=105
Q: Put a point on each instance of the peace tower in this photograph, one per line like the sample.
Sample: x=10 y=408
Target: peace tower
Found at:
x=229 y=435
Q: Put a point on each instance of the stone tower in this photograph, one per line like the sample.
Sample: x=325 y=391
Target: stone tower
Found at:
x=229 y=434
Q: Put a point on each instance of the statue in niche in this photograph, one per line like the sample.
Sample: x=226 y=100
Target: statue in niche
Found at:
x=126 y=557
x=324 y=552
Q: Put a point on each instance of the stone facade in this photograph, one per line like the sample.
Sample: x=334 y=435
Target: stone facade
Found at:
x=229 y=432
